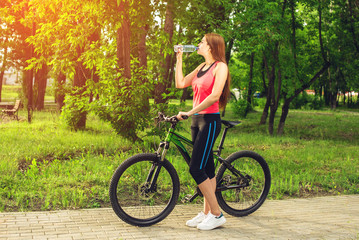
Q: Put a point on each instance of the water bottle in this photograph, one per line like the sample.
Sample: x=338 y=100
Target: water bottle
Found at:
x=185 y=48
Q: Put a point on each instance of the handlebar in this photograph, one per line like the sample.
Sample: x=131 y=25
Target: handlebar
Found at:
x=163 y=118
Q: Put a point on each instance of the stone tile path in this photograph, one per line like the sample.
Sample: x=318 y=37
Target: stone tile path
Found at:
x=315 y=218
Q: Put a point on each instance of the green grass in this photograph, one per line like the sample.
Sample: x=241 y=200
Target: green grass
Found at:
x=10 y=93
x=44 y=166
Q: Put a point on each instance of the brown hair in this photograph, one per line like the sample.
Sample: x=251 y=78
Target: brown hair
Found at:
x=216 y=43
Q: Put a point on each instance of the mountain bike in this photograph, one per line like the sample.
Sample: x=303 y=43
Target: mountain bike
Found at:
x=145 y=188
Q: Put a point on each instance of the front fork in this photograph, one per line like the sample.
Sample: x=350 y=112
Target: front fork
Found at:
x=156 y=166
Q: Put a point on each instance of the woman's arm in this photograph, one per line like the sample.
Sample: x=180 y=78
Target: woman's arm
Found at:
x=220 y=72
x=183 y=82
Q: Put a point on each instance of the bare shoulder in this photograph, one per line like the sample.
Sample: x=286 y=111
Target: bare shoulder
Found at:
x=221 y=66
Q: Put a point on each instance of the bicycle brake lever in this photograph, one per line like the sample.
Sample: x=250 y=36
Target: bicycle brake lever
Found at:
x=184 y=117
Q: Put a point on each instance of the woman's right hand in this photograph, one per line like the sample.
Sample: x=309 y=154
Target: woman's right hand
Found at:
x=179 y=55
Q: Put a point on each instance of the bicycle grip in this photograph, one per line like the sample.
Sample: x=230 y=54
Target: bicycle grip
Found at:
x=185 y=117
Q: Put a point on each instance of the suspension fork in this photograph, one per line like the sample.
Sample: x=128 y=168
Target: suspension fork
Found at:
x=156 y=166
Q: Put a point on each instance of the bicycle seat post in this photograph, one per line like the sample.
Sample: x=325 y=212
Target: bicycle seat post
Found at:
x=220 y=147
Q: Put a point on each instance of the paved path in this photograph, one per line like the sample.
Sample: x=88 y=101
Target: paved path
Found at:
x=315 y=218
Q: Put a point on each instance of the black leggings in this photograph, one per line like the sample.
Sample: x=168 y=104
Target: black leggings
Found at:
x=205 y=130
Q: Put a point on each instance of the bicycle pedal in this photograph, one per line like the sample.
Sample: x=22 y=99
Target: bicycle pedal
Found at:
x=186 y=199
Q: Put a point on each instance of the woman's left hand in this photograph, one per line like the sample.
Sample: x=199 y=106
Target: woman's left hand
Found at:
x=181 y=114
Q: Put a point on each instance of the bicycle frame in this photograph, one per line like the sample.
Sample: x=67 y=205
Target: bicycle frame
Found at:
x=179 y=141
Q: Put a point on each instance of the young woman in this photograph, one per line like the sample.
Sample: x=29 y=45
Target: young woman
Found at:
x=210 y=82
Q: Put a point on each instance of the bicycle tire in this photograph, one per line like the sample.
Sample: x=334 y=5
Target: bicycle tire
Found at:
x=128 y=199
x=245 y=200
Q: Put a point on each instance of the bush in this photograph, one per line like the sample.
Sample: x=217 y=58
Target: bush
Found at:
x=75 y=109
x=241 y=107
x=305 y=101
x=316 y=103
x=260 y=102
x=300 y=101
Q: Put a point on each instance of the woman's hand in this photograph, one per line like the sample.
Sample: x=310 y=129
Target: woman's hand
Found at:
x=183 y=115
x=179 y=55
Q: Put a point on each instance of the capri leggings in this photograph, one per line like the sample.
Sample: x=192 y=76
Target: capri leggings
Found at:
x=205 y=130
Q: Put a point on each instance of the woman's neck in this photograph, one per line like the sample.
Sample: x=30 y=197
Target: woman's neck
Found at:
x=209 y=60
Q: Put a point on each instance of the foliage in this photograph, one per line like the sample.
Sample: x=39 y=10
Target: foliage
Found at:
x=305 y=101
x=260 y=102
x=121 y=105
x=240 y=107
x=72 y=169
x=65 y=34
x=75 y=109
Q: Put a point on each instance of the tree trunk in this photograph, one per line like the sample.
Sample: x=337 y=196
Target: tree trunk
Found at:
x=94 y=38
x=287 y=101
x=271 y=86
x=2 y=72
x=265 y=87
x=249 y=96
x=272 y=104
x=229 y=50
x=274 y=98
x=283 y=117
x=124 y=63
x=320 y=32
x=352 y=25
x=142 y=56
x=123 y=43
x=168 y=65
x=268 y=90
x=28 y=78
x=185 y=95
x=332 y=92
x=40 y=87
x=81 y=75
x=265 y=112
x=60 y=91
x=3 y=67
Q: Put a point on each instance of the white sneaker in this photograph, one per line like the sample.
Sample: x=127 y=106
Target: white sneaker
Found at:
x=196 y=220
x=211 y=222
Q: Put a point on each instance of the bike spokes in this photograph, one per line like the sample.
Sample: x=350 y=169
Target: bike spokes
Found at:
x=243 y=183
x=143 y=199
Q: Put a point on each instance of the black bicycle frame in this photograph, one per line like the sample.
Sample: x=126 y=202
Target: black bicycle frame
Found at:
x=179 y=141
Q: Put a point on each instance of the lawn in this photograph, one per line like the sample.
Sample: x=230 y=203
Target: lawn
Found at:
x=10 y=93
x=45 y=166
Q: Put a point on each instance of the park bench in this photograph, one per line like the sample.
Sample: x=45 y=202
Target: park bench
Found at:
x=14 y=111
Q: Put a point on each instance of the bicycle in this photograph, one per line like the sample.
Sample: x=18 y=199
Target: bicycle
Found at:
x=144 y=189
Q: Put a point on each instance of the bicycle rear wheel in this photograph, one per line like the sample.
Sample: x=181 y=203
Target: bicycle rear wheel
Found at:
x=243 y=189
x=135 y=198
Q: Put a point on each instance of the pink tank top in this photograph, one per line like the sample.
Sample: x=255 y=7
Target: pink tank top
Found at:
x=202 y=86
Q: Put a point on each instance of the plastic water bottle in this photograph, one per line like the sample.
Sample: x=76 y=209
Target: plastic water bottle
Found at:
x=185 y=48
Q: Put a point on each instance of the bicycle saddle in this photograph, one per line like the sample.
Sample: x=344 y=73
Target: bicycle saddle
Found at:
x=230 y=124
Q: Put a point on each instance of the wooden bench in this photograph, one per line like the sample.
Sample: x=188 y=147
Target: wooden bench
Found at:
x=14 y=111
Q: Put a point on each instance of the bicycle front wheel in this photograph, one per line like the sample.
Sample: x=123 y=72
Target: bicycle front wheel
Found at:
x=144 y=190
x=243 y=183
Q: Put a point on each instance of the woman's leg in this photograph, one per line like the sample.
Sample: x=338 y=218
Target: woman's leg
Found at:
x=205 y=130
x=208 y=188
x=206 y=206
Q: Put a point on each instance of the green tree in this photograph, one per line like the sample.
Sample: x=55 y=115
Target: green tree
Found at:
x=103 y=49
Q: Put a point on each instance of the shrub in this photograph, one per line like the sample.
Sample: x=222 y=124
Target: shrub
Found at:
x=260 y=102
x=241 y=107
x=305 y=101
x=316 y=103
x=300 y=101
x=75 y=109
